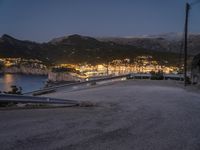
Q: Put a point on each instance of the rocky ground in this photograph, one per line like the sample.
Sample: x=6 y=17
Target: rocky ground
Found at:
x=139 y=115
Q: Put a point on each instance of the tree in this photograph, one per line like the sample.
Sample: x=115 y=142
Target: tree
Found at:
x=157 y=75
x=15 y=90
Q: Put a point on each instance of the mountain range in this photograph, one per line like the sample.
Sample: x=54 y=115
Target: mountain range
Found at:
x=168 y=42
x=80 y=49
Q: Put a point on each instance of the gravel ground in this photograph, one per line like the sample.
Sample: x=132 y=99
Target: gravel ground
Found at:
x=129 y=115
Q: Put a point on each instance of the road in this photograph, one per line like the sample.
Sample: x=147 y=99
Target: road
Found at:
x=129 y=115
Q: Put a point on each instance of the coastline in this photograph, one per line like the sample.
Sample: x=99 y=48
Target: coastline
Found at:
x=24 y=70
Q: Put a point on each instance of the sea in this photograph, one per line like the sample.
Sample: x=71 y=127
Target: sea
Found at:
x=28 y=83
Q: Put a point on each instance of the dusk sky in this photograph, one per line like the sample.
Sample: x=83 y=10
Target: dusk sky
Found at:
x=42 y=20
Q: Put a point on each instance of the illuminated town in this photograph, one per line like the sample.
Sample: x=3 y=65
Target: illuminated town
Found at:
x=25 y=66
x=141 y=64
x=9 y=62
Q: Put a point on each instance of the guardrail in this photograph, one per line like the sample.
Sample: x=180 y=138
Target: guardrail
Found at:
x=165 y=76
x=131 y=75
x=54 y=88
x=32 y=99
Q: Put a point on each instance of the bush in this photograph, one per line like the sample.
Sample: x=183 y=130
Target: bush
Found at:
x=157 y=75
x=14 y=90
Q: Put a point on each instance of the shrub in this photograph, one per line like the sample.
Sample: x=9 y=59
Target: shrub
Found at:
x=157 y=75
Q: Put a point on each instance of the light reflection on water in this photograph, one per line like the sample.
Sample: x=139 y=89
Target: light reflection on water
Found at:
x=27 y=82
x=8 y=80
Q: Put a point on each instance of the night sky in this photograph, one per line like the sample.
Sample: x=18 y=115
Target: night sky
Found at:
x=42 y=20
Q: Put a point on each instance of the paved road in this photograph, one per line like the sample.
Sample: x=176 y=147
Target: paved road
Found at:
x=129 y=115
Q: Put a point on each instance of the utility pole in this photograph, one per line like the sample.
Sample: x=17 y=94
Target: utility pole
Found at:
x=185 y=43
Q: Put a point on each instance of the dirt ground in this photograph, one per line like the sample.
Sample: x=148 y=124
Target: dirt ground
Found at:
x=129 y=115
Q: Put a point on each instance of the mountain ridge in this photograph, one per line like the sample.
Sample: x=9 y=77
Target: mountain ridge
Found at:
x=171 y=42
x=77 y=49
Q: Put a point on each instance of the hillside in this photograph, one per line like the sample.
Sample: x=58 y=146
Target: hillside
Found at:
x=171 y=42
x=78 y=49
